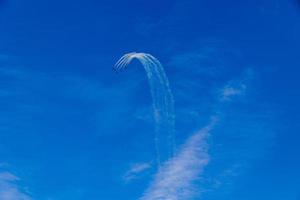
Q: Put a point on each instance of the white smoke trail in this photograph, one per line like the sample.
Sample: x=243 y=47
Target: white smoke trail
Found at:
x=163 y=102
x=175 y=179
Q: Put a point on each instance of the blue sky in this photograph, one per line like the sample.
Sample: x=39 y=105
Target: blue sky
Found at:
x=71 y=128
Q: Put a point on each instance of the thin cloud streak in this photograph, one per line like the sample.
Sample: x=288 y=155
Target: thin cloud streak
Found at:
x=135 y=170
x=175 y=180
x=8 y=188
x=238 y=87
x=230 y=91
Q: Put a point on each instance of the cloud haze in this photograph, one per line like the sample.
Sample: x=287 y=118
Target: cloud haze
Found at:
x=175 y=180
x=9 y=190
x=231 y=91
x=135 y=170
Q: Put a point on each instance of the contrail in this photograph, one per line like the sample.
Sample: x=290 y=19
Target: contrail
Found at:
x=163 y=102
x=175 y=180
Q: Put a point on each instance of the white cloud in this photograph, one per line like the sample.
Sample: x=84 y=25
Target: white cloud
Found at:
x=238 y=87
x=135 y=170
x=230 y=91
x=175 y=180
x=9 y=190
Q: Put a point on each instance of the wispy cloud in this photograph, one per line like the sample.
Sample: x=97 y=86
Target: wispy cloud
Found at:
x=175 y=180
x=135 y=170
x=238 y=87
x=9 y=190
x=230 y=91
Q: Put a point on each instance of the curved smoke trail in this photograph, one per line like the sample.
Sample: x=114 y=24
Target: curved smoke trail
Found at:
x=163 y=102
